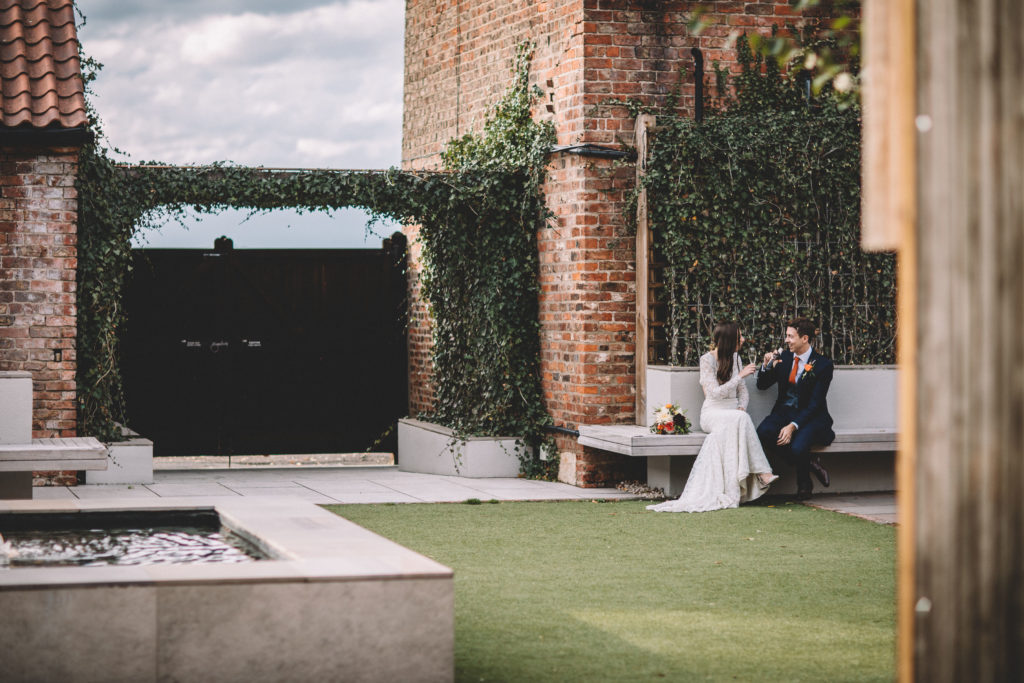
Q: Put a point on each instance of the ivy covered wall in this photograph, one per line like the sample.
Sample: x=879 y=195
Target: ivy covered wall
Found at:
x=756 y=212
x=478 y=219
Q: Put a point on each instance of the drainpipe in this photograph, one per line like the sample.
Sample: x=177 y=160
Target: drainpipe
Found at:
x=698 y=84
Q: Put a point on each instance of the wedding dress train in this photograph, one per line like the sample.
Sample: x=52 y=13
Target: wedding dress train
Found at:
x=725 y=471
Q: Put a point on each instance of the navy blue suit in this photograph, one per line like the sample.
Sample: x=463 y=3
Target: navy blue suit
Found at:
x=810 y=412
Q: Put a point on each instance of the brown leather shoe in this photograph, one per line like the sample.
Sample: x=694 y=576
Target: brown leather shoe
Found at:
x=820 y=472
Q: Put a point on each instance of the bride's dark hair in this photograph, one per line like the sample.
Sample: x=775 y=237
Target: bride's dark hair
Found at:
x=727 y=338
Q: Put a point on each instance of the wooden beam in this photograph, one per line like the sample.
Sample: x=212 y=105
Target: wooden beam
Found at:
x=969 y=519
x=906 y=453
x=644 y=123
x=888 y=222
x=887 y=163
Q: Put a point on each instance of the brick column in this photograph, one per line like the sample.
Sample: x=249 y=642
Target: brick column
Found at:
x=38 y=260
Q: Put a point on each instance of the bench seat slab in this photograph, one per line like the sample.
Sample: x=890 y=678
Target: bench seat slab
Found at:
x=19 y=461
x=638 y=441
x=54 y=449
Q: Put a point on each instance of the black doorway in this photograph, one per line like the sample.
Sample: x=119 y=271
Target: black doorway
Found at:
x=264 y=351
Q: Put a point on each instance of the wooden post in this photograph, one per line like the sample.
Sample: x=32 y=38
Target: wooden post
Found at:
x=969 y=519
x=889 y=223
x=887 y=162
x=644 y=123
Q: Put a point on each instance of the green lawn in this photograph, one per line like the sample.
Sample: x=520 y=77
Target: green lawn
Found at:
x=586 y=591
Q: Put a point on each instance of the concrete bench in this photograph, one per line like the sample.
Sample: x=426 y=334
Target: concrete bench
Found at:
x=862 y=401
x=21 y=455
x=19 y=461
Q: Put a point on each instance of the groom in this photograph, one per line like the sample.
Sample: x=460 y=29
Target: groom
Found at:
x=799 y=420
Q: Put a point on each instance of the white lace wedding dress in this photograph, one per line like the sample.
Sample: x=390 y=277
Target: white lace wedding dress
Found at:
x=725 y=471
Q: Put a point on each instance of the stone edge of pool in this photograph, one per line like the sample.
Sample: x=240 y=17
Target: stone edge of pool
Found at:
x=335 y=600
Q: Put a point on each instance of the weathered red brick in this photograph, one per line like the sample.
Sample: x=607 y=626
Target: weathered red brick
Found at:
x=457 y=58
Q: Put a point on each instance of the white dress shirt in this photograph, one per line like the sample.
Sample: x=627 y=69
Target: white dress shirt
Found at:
x=804 y=357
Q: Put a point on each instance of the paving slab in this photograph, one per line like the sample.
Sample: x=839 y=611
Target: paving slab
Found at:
x=370 y=498
x=107 y=491
x=325 y=484
x=387 y=484
x=196 y=489
x=52 y=493
x=279 y=491
x=329 y=487
x=875 y=507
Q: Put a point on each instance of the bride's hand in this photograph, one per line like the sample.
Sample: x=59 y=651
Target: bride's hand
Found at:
x=748 y=370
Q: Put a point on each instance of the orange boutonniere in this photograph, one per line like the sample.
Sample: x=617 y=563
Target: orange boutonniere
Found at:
x=808 y=371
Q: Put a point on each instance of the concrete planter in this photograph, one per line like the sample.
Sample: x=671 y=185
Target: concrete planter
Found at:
x=15 y=407
x=128 y=462
x=432 y=449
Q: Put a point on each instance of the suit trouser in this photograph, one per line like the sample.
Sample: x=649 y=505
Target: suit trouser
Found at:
x=798 y=451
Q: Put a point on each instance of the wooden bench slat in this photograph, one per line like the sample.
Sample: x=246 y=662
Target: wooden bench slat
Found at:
x=52 y=455
x=90 y=443
x=46 y=465
x=57 y=453
x=11 y=453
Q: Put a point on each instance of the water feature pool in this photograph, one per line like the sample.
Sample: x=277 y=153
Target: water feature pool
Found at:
x=331 y=601
x=97 y=539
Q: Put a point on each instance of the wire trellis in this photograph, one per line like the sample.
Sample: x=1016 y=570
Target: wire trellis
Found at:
x=761 y=238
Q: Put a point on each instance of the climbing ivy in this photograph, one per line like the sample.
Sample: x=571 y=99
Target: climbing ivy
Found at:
x=477 y=218
x=757 y=213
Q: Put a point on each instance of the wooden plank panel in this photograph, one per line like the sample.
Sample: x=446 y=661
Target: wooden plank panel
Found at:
x=887 y=164
x=969 y=425
x=644 y=123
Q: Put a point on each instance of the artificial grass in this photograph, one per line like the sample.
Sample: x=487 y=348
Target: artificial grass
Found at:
x=586 y=591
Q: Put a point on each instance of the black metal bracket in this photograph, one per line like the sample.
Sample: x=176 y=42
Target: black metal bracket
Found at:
x=698 y=84
x=560 y=430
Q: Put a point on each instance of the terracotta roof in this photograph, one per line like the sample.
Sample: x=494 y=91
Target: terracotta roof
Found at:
x=40 y=74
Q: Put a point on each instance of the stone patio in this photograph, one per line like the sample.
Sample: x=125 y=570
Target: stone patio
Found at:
x=386 y=484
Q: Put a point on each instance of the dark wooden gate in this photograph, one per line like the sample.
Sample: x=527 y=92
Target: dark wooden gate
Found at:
x=231 y=352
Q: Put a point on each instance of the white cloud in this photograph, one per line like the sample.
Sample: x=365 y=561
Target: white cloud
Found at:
x=309 y=83
x=248 y=87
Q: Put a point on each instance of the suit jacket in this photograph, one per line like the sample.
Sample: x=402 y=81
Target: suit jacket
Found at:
x=811 y=389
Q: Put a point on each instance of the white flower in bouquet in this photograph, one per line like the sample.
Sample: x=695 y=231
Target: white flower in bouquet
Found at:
x=666 y=422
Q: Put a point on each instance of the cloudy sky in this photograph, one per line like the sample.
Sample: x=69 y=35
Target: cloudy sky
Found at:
x=302 y=83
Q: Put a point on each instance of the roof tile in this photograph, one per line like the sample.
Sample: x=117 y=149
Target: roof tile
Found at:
x=40 y=73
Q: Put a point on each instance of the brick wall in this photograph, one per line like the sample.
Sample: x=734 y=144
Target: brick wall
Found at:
x=38 y=213
x=590 y=54
x=457 y=64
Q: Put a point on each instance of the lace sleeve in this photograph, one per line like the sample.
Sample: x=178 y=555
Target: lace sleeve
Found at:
x=741 y=390
x=709 y=382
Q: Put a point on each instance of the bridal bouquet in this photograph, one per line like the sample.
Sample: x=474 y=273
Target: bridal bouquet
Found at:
x=669 y=420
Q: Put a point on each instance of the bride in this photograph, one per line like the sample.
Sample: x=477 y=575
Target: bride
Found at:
x=731 y=467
